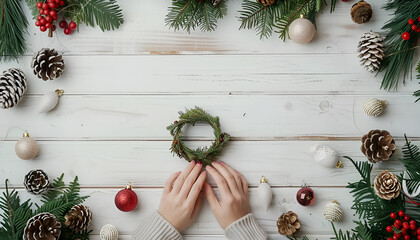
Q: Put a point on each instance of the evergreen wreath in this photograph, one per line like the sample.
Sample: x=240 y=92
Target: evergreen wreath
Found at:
x=58 y=201
x=205 y=155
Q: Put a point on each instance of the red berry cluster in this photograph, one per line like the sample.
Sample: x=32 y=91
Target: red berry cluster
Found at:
x=68 y=28
x=403 y=228
x=48 y=16
x=414 y=27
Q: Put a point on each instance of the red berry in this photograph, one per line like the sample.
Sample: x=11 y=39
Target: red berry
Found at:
x=43 y=21
x=67 y=31
x=411 y=21
x=406 y=237
x=418 y=237
x=401 y=213
x=414 y=27
x=406 y=226
x=63 y=24
x=37 y=23
x=221 y=140
x=46 y=11
x=176 y=142
x=53 y=13
x=412 y=222
x=57 y=1
x=43 y=28
x=72 y=25
x=418 y=19
x=44 y=6
x=54 y=27
x=175 y=122
x=418 y=30
x=48 y=1
x=397 y=223
x=48 y=25
x=412 y=227
x=393 y=215
x=39 y=4
x=51 y=5
x=404 y=231
x=389 y=229
x=41 y=11
x=418 y=231
x=39 y=17
x=405 y=36
x=55 y=17
x=395 y=237
x=389 y=239
x=406 y=218
x=61 y=3
x=48 y=19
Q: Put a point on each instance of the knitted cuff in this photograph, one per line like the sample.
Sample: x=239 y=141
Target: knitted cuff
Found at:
x=155 y=227
x=245 y=228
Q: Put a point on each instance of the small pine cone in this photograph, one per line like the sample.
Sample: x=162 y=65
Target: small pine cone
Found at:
x=288 y=224
x=371 y=49
x=43 y=226
x=215 y=2
x=36 y=182
x=48 y=64
x=387 y=185
x=78 y=218
x=13 y=85
x=361 y=12
x=266 y=2
x=378 y=145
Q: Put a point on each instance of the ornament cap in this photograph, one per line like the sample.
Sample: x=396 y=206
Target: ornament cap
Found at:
x=59 y=92
x=339 y=164
x=128 y=186
x=335 y=201
x=263 y=180
x=26 y=134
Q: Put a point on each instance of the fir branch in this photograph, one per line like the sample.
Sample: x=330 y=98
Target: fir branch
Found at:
x=417 y=93
x=57 y=187
x=260 y=17
x=13 y=26
x=411 y=160
x=32 y=6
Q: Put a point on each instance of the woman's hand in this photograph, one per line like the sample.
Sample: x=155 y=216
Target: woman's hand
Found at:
x=233 y=187
x=182 y=197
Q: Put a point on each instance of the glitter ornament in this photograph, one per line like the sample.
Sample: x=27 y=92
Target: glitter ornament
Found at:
x=326 y=156
x=305 y=196
x=108 y=232
x=301 y=30
x=374 y=107
x=332 y=211
x=26 y=148
x=126 y=200
x=49 y=101
x=265 y=194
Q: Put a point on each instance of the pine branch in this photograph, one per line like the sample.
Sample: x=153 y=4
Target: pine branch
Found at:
x=417 y=93
x=13 y=26
x=56 y=188
x=411 y=160
x=32 y=6
x=260 y=17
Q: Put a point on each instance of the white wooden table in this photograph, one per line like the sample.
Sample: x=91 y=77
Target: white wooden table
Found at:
x=275 y=98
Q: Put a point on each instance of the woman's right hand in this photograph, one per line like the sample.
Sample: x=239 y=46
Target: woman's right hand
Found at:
x=233 y=187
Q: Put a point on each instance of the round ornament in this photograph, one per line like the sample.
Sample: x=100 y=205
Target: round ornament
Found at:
x=108 y=232
x=326 y=156
x=301 y=30
x=265 y=194
x=49 y=101
x=332 y=211
x=374 y=107
x=305 y=196
x=26 y=148
x=126 y=199
x=201 y=155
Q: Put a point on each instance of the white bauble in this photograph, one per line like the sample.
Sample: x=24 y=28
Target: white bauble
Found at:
x=26 y=148
x=49 y=101
x=326 y=156
x=374 y=107
x=108 y=232
x=265 y=194
x=332 y=212
x=301 y=31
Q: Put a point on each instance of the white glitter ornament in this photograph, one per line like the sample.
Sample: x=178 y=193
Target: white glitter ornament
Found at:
x=301 y=30
x=108 y=232
x=374 y=107
x=326 y=156
x=265 y=194
x=26 y=148
x=332 y=212
x=49 y=101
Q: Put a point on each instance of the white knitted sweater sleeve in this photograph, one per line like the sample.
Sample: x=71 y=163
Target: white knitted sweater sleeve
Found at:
x=245 y=228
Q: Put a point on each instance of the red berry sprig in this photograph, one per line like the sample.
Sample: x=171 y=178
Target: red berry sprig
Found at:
x=48 y=14
x=414 y=27
x=403 y=227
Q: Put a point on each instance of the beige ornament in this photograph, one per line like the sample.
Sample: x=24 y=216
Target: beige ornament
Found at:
x=50 y=100
x=265 y=194
x=26 y=148
x=387 y=185
x=288 y=224
x=374 y=107
x=301 y=30
x=326 y=156
x=108 y=232
x=332 y=211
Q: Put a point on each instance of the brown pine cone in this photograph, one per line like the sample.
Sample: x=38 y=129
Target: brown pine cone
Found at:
x=387 y=185
x=266 y=2
x=288 y=224
x=378 y=145
x=13 y=85
x=43 y=226
x=36 y=182
x=361 y=12
x=48 y=64
x=78 y=218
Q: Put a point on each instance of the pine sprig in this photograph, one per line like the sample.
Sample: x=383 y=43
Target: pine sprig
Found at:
x=417 y=93
x=13 y=27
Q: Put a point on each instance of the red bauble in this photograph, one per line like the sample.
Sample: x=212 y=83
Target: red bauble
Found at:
x=126 y=199
x=405 y=36
x=305 y=196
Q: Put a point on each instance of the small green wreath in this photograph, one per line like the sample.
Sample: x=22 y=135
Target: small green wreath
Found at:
x=204 y=155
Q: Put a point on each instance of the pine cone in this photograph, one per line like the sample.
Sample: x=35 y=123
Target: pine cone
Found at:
x=12 y=87
x=43 y=226
x=288 y=224
x=48 y=64
x=371 y=51
x=378 y=145
x=267 y=2
x=387 y=185
x=36 y=182
x=215 y=2
x=78 y=218
x=361 y=12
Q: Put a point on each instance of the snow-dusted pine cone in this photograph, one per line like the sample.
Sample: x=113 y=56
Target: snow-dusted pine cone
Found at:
x=36 y=182
x=288 y=224
x=378 y=145
x=12 y=87
x=371 y=49
x=387 y=185
x=78 y=218
x=267 y=2
x=48 y=64
x=43 y=226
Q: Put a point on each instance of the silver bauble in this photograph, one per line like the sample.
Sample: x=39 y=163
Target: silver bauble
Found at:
x=108 y=232
x=301 y=31
x=26 y=148
x=326 y=156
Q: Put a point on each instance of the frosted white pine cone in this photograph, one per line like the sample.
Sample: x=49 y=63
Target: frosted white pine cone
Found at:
x=371 y=51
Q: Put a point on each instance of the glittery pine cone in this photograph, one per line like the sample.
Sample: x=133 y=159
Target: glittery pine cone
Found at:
x=387 y=185
x=48 y=64
x=288 y=224
x=13 y=85
x=36 y=182
x=78 y=218
x=378 y=145
x=361 y=12
x=43 y=226
x=266 y=2
x=371 y=49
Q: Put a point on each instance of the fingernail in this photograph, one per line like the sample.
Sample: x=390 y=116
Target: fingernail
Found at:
x=209 y=167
